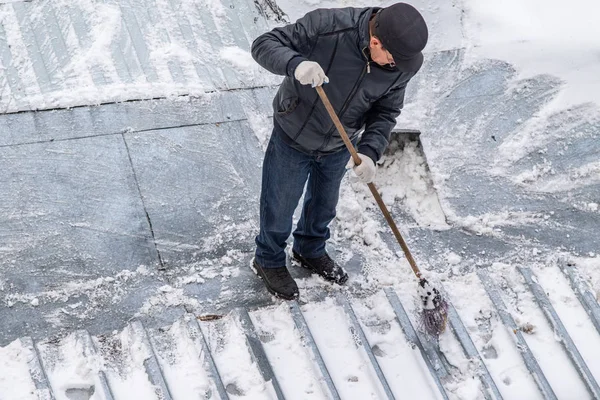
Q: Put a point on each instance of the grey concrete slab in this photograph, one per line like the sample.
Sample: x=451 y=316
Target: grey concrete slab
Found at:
x=201 y=186
x=103 y=309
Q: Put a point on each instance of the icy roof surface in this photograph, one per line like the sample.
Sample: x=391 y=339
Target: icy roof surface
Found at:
x=148 y=210
x=69 y=53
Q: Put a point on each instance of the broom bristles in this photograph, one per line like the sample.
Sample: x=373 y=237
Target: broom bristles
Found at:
x=434 y=312
x=433 y=321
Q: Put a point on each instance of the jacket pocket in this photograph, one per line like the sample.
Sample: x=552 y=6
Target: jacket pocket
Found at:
x=287 y=105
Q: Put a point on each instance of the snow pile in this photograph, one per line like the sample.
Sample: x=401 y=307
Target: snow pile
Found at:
x=541 y=37
x=15 y=380
x=69 y=371
x=405 y=176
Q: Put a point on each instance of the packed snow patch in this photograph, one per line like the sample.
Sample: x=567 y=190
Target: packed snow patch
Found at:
x=15 y=380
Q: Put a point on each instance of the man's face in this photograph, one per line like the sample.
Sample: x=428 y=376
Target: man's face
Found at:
x=379 y=54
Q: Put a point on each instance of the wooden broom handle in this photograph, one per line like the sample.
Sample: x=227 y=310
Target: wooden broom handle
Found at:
x=376 y=195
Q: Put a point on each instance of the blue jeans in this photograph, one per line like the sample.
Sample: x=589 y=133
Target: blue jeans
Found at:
x=285 y=172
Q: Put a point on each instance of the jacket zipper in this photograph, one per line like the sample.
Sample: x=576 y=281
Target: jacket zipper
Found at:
x=357 y=84
x=349 y=98
x=364 y=51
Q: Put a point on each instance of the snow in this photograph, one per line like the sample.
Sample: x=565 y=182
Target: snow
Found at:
x=15 y=380
x=589 y=267
x=546 y=346
x=499 y=353
x=181 y=364
x=69 y=370
x=571 y=314
x=98 y=290
x=586 y=175
x=238 y=371
x=241 y=60
x=491 y=223
x=295 y=371
x=416 y=187
x=125 y=353
x=353 y=376
x=534 y=36
x=402 y=364
x=541 y=37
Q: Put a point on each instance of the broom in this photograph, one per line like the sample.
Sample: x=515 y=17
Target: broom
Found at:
x=434 y=313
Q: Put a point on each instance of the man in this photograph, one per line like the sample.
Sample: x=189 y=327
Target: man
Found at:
x=366 y=56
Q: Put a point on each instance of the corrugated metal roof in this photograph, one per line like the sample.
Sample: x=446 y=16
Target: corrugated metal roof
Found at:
x=81 y=187
x=63 y=53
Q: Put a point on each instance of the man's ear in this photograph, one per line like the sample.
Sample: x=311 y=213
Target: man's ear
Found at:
x=375 y=42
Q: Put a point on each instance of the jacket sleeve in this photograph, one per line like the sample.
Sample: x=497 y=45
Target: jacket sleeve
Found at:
x=380 y=120
x=282 y=49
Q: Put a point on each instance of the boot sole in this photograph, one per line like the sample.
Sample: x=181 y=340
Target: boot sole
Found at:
x=258 y=271
x=299 y=261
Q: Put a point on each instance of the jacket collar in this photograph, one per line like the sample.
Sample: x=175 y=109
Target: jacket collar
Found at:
x=365 y=36
x=363 y=26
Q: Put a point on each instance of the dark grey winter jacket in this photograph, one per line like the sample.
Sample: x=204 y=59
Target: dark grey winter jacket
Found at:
x=361 y=92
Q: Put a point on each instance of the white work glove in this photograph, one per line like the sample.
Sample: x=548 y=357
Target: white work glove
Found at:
x=366 y=170
x=310 y=73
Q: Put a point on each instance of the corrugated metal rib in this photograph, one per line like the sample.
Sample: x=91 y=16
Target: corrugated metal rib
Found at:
x=341 y=299
x=258 y=353
x=163 y=18
x=561 y=331
x=98 y=51
x=196 y=334
x=305 y=333
x=134 y=30
x=82 y=34
x=36 y=369
x=150 y=344
x=203 y=73
x=34 y=48
x=508 y=321
x=11 y=83
x=56 y=38
x=583 y=293
x=90 y=350
x=151 y=364
x=471 y=351
x=431 y=358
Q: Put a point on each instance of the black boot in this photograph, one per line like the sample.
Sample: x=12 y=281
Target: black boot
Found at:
x=323 y=266
x=278 y=281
